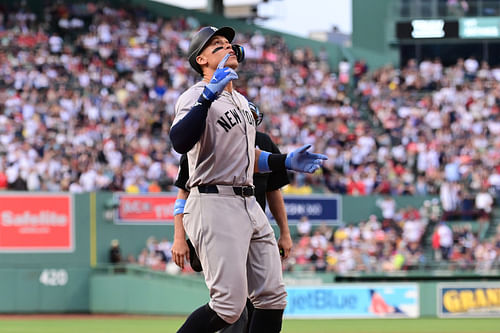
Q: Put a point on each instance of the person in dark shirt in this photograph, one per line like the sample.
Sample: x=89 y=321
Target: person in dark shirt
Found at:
x=115 y=255
x=263 y=182
x=267 y=190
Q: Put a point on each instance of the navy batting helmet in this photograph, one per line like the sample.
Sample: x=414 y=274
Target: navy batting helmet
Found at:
x=201 y=39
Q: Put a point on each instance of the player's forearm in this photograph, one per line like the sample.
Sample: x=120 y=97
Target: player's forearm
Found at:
x=267 y=162
x=179 y=232
x=277 y=208
x=187 y=131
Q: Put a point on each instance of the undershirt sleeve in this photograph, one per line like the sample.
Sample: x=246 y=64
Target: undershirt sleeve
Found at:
x=187 y=131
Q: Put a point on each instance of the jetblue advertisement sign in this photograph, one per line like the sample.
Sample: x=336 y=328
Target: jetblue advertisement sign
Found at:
x=318 y=208
x=355 y=301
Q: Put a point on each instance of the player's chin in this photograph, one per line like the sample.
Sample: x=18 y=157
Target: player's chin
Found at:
x=232 y=63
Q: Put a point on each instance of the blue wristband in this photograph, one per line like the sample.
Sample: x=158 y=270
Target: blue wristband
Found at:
x=208 y=95
x=288 y=161
x=179 y=206
x=263 y=162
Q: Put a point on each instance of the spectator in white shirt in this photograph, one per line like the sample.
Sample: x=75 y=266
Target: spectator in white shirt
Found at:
x=484 y=201
x=304 y=226
x=445 y=240
x=388 y=207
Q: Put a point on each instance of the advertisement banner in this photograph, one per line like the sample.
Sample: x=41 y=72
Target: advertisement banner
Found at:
x=427 y=29
x=36 y=223
x=145 y=208
x=472 y=299
x=479 y=27
x=159 y=208
x=319 y=208
x=354 y=301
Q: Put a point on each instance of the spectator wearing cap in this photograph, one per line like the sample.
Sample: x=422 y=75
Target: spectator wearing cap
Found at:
x=115 y=255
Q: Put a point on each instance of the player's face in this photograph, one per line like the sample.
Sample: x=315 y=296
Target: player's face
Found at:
x=217 y=49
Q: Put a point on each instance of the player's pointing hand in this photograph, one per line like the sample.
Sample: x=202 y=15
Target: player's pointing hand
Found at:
x=219 y=80
x=222 y=63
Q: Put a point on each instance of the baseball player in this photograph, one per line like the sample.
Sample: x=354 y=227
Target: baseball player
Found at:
x=267 y=185
x=213 y=124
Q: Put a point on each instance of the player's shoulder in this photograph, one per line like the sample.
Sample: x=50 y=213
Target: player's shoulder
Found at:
x=263 y=136
x=241 y=97
x=264 y=142
x=190 y=96
x=240 y=94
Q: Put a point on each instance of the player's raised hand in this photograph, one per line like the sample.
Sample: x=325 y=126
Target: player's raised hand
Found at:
x=303 y=161
x=219 y=80
x=222 y=63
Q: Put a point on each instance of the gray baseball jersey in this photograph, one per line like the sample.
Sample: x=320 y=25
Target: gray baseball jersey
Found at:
x=225 y=153
x=231 y=234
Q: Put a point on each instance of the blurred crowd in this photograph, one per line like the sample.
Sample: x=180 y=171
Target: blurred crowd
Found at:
x=156 y=255
x=87 y=95
x=403 y=239
x=85 y=104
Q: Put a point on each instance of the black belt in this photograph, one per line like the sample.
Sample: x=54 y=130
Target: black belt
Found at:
x=244 y=191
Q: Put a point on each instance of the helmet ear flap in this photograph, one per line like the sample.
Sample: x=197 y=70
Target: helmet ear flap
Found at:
x=256 y=113
x=239 y=51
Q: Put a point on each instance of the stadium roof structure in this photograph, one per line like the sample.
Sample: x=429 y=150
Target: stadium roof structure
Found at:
x=236 y=9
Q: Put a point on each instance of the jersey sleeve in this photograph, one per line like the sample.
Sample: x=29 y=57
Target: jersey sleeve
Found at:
x=183 y=175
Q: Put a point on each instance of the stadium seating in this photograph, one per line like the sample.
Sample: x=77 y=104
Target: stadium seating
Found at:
x=86 y=102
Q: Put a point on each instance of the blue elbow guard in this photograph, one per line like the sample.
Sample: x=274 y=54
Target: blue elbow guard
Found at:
x=263 y=162
x=179 y=206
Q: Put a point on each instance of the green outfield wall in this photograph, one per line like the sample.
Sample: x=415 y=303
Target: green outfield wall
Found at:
x=138 y=291
x=61 y=289
x=142 y=291
x=60 y=271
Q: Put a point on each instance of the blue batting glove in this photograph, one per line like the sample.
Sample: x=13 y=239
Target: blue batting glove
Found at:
x=219 y=80
x=303 y=161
